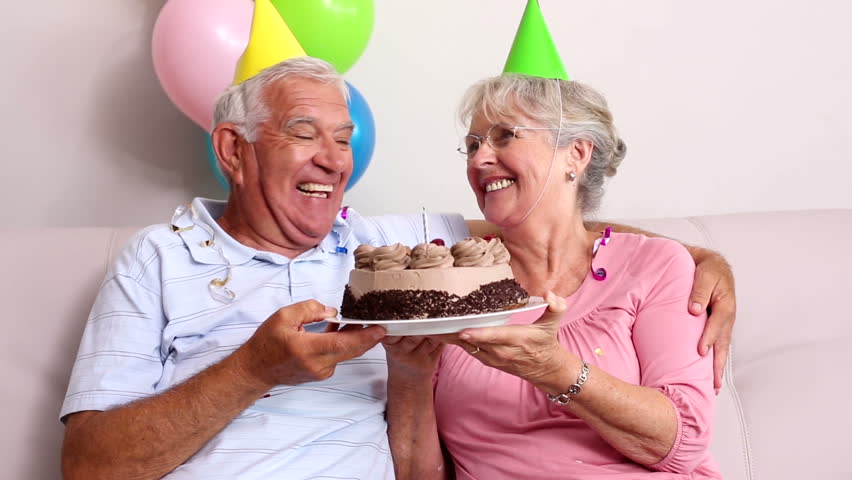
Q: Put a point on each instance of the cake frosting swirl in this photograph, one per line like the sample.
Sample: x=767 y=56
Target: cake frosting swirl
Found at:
x=364 y=256
x=431 y=255
x=479 y=252
x=391 y=257
x=499 y=251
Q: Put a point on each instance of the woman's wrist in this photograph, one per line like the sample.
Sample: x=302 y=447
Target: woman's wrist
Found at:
x=561 y=375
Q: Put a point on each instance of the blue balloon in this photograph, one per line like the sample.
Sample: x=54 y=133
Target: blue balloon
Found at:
x=363 y=140
x=214 y=163
x=364 y=136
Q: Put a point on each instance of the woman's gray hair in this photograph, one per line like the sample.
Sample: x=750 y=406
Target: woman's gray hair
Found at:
x=585 y=116
x=244 y=106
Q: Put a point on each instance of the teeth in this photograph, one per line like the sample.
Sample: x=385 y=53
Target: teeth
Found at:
x=317 y=190
x=315 y=187
x=312 y=194
x=498 y=185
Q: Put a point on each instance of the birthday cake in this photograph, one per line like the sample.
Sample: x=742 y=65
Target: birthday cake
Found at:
x=431 y=281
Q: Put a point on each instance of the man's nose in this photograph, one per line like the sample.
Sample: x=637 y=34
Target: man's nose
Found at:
x=332 y=157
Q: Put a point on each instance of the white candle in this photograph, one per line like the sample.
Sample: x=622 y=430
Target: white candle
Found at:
x=425 y=227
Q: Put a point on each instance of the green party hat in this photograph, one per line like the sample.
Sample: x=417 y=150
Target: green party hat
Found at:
x=533 y=51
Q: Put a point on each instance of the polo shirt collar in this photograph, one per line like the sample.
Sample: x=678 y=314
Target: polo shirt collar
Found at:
x=196 y=224
x=197 y=227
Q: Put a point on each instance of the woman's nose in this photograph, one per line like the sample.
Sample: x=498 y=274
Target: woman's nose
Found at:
x=485 y=155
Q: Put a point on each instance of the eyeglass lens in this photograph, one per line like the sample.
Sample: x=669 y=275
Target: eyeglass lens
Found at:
x=498 y=136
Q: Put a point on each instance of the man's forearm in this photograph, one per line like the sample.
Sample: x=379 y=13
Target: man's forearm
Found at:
x=150 y=437
x=618 y=227
x=698 y=253
x=480 y=228
x=412 y=430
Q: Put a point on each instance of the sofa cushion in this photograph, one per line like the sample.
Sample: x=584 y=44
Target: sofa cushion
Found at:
x=49 y=281
x=783 y=413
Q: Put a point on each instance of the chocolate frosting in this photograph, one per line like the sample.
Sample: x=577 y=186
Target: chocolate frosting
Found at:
x=430 y=255
x=472 y=252
x=364 y=256
x=391 y=257
x=501 y=254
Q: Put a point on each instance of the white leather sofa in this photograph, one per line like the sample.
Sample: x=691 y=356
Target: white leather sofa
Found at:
x=784 y=412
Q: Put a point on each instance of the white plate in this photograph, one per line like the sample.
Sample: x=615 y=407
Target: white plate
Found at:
x=435 y=326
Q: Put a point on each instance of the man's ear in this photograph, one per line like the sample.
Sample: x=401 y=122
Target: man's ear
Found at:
x=579 y=156
x=227 y=143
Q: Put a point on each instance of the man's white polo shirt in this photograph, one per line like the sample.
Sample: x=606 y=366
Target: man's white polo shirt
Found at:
x=158 y=319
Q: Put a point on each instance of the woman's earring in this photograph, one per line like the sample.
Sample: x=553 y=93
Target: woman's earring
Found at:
x=572 y=176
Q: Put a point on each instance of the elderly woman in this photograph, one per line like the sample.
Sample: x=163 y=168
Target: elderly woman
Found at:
x=607 y=384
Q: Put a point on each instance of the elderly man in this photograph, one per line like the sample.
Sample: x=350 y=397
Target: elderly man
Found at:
x=205 y=355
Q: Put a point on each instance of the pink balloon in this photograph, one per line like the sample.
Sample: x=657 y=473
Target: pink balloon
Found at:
x=195 y=46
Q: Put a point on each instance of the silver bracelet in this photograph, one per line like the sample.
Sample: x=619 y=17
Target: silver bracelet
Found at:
x=565 y=398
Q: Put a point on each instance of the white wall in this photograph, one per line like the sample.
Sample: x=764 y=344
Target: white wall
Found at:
x=726 y=106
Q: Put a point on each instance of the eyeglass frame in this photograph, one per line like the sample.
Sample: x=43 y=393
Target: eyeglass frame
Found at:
x=514 y=129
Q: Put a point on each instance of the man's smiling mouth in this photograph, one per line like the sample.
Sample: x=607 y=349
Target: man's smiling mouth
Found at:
x=317 y=190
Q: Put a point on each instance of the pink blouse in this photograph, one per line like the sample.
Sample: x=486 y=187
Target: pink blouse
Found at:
x=633 y=325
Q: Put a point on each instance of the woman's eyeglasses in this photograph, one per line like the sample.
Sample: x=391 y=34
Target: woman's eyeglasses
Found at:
x=497 y=137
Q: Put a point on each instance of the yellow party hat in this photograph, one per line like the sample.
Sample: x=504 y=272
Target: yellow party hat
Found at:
x=270 y=42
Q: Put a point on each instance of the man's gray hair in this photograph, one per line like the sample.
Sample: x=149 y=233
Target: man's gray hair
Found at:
x=244 y=106
x=535 y=101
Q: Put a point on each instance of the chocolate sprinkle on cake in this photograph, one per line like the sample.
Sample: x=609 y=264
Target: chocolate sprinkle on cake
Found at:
x=411 y=304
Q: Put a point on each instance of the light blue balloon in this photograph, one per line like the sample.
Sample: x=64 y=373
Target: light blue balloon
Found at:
x=363 y=140
x=213 y=162
x=364 y=136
